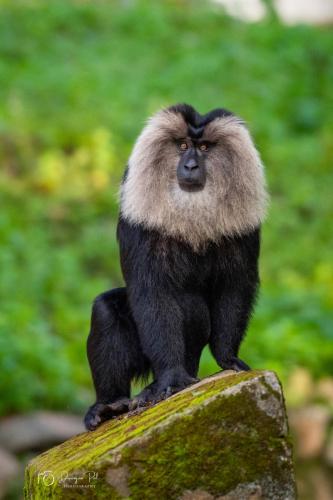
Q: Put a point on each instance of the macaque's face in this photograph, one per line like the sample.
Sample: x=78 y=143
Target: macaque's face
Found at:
x=191 y=170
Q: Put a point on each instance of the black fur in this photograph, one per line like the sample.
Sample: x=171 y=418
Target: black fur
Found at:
x=196 y=122
x=175 y=302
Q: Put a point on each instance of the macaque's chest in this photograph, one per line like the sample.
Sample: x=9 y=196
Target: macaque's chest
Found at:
x=189 y=269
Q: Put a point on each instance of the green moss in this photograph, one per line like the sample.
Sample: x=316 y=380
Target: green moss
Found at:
x=182 y=456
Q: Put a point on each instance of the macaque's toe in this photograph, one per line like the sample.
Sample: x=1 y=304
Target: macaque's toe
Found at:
x=235 y=364
x=144 y=398
x=163 y=388
x=119 y=406
x=100 y=412
x=93 y=418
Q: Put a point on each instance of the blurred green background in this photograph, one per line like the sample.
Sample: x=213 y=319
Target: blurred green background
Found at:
x=77 y=81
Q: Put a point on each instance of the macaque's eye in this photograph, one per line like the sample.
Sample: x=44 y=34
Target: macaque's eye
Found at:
x=183 y=146
x=203 y=146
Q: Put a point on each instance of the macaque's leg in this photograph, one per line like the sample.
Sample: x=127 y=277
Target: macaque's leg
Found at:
x=197 y=332
x=230 y=315
x=115 y=356
x=163 y=320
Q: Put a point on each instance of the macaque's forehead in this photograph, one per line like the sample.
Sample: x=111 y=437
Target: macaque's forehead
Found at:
x=173 y=124
x=182 y=121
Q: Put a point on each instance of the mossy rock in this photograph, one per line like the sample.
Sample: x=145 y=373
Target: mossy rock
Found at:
x=225 y=437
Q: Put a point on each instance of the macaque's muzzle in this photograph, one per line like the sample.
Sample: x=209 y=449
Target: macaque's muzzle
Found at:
x=191 y=172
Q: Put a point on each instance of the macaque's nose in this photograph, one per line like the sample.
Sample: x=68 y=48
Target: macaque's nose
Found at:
x=191 y=164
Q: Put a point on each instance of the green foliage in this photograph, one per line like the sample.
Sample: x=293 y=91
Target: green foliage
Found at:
x=77 y=80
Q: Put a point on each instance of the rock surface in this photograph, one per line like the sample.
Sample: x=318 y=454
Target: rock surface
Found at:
x=38 y=430
x=223 y=438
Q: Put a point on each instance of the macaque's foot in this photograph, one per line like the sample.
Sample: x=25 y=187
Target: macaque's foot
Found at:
x=170 y=382
x=235 y=364
x=100 y=412
x=145 y=397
